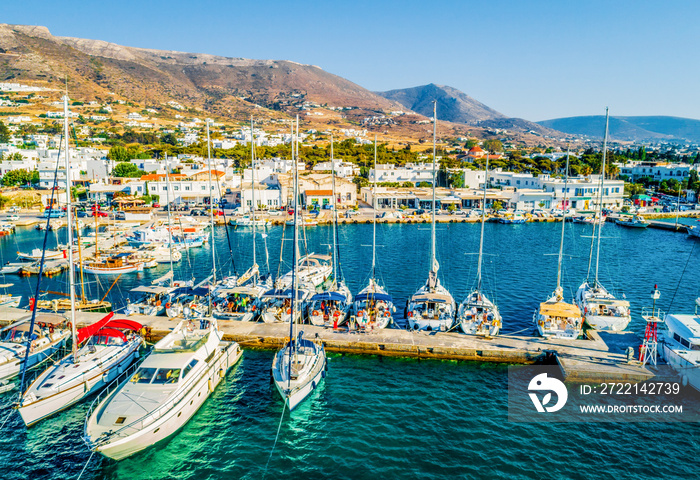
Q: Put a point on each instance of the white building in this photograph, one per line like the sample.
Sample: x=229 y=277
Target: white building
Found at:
x=342 y=169
x=411 y=172
x=658 y=171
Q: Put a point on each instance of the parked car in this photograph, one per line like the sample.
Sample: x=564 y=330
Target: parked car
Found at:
x=274 y=213
x=120 y=215
x=99 y=213
x=53 y=214
x=156 y=205
x=82 y=214
x=13 y=209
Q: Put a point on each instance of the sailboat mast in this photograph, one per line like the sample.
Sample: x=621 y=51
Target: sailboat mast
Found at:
x=69 y=221
x=252 y=181
x=211 y=216
x=335 y=219
x=170 y=233
x=600 y=197
x=80 y=263
x=483 y=221
x=432 y=241
x=563 y=222
x=295 y=261
x=374 y=211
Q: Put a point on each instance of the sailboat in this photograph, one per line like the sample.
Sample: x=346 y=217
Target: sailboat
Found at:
x=48 y=336
x=165 y=391
x=154 y=298
x=84 y=370
x=477 y=315
x=373 y=307
x=332 y=305
x=556 y=318
x=82 y=304
x=241 y=298
x=300 y=366
x=432 y=307
x=601 y=310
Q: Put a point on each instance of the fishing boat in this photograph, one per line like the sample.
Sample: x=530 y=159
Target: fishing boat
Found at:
x=432 y=307
x=247 y=221
x=634 y=221
x=12 y=267
x=693 y=232
x=555 y=318
x=372 y=308
x=601 y=310
x=167 y=389
x=305 y=222
x=331 y=306
x=114 y=265
x=8 y=299
x=36 y=254
x=511 y=219
x=63 y=305
x=49 y=335
x=681 y=345
x=110 y=346
x=300 y=366
x=477 y=315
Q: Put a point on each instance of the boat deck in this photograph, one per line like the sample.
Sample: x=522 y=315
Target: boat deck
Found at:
x=602 y=357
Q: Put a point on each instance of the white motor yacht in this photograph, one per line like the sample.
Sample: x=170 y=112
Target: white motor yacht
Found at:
x=681 y=345
x=165 y=391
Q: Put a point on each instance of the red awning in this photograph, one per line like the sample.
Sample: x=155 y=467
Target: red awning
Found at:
x=124 y=324
x=90 y=330
x=111 y=332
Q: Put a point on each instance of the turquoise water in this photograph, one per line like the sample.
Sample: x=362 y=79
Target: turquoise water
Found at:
x=391 y=418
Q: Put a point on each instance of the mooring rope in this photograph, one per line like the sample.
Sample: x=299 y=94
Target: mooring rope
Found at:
x=680 y=280
x=86 y=464
x=274 y=445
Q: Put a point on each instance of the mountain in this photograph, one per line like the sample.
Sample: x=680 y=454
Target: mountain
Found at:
x=222 y=85
x=452 y=104
x=652 y=128
x=456 y=106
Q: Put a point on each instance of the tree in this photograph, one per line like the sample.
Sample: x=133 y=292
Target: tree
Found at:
x=118 y=154
x=360 y=182
x=4 y=133
x=407 y=185
x=493 y=145
x=3 y=201
x=17 y=157
x=496 y=205
x=125 y=169
x=470 y=143
x=17 y=177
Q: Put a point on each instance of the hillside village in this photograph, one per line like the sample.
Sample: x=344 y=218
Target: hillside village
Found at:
x=106 y=165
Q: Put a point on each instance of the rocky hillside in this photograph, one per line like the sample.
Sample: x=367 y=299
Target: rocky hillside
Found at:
x=225 y=86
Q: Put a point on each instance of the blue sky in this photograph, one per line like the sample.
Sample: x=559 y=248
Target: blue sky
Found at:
x=533 y=59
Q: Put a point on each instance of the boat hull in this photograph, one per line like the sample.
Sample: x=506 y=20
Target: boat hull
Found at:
x=13 y=367
x=228 y=353
x=299 y=392
x=34 y=412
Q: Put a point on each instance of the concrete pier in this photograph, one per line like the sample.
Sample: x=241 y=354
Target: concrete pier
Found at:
x=601 y=357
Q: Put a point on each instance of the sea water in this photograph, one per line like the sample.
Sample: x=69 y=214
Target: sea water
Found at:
x=387 y=418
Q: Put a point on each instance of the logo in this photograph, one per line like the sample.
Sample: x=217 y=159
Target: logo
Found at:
x=542 y=383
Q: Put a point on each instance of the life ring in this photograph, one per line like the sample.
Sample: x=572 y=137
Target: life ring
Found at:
x=336 y=313
x=360 y=314
x=315 y=313
x=410 y=314
x=387 y=314
x=70 y=326
x=167 y=305
x=289 y=310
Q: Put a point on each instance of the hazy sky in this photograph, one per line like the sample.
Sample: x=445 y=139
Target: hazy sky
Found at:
x=533 y=59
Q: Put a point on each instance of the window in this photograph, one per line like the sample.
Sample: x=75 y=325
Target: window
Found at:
x=143 y=375
x=165 y=188
x=153 y=188
x=189 y=367
x=166 y=375
x=176 y=188
x=203 y=187
x=187 y=187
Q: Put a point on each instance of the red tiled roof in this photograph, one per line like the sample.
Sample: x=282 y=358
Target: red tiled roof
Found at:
x=476 y=148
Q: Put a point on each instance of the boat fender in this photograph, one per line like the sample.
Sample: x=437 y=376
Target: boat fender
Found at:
x=684 y=380
x=211 y=390
x=313 y=385
x=221 y=372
